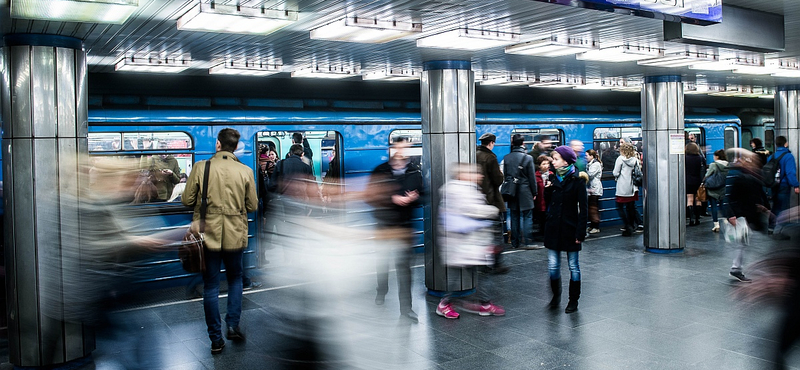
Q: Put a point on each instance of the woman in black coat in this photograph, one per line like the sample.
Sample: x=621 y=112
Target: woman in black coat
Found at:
x=695 y=171
x=565 y=229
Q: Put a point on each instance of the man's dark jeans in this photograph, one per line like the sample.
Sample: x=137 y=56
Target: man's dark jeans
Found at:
x=233 y=271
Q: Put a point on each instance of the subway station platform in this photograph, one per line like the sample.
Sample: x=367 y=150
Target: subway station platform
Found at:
x=637 y=311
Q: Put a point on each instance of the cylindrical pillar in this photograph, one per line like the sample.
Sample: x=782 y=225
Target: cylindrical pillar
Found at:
x=44 y=113
x=663 y=137
x=787 y=122
x=448 y=137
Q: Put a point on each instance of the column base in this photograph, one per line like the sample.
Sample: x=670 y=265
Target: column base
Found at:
x=663 y=251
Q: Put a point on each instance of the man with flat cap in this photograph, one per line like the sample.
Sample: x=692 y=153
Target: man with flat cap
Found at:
x=490 y=187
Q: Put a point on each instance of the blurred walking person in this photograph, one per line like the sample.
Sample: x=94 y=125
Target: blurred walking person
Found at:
x=566 y=225
x=747 y=203
x=595 y=170
x=232 y=193
x=467 y=225
x=491 y=179
x=396 y=186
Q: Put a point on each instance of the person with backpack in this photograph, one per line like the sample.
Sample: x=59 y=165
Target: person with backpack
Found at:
x=519 y=165
x=627 y=193
x=714 y=182
x=780 y=175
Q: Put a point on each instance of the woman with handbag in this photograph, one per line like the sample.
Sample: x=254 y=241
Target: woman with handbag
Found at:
x=627 y=193
x=695 y=168
x=716 y=196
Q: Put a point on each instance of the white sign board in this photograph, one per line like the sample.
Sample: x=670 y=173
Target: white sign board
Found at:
x=676 y=143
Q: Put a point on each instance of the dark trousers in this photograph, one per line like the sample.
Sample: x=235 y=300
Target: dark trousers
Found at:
x=627 y=212
x=594 y=211
x=233 y=271
x=401 y=252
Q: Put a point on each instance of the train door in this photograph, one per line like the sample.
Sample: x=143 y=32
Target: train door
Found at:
x=546 y=139
x=747 y=135
x=606 y=141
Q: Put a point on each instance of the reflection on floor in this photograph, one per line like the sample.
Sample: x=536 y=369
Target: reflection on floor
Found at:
x=637 y=311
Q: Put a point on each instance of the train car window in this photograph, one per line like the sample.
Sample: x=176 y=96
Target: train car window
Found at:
x=549 y=137
x=731 y=138
x=164 y=160
x=321 y=146
x=414 y=153
x=769 y=140
x=747 y=135
x=606 y=142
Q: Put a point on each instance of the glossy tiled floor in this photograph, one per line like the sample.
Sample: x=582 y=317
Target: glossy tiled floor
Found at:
x=637 y=311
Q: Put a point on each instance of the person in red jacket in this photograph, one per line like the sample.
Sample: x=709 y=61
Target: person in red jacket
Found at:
x=540 y=204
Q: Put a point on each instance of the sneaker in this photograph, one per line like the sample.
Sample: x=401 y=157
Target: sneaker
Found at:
x=491 y=309
x=639 y=227
x=740 y=276
x=622 y=229
x=234 y=333
x=446 y=311
x=252 y=285
x=593 y=231
x=217 y=346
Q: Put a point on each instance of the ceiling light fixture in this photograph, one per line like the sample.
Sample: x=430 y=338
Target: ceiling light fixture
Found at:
x=746 y=65
x=212 y=17
x=100 y=11
x=510 y=80
x=392 y=75
x=558 y=82
x=785 y=68
x=621 y=53
x=682 y=59
x=330 y=72
x=133 y=63
x=245 y=68
x=551 y=47
x=468 y=39
x=354 y=29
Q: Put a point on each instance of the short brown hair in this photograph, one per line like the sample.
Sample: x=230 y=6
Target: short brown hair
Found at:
x=692 y=149
x=228 y=139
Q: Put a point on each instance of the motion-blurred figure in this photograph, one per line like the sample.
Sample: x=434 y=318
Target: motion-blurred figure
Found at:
x=231 y=195
x=491 y=179
x=466 y=223
x=294 y=181
x=395 y=187
x=164 y=173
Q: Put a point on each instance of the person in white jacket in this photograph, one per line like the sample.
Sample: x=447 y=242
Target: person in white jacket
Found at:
x=594 y=168
x=627 y=193
x=465 y=224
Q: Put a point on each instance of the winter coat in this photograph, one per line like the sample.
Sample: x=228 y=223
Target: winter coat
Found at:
x=492 y=177
x=541 y=199
x=763 y=154
x=717 y=166
x=787 y=167
x=163 y=182
x=695 y=169
x=745 y=193
x=567 y=214
x=462 y=203
x=294 y=178
x=386 y=212
x=231 y=195
x=595 y=170
x=526 y=187
x=623 y=168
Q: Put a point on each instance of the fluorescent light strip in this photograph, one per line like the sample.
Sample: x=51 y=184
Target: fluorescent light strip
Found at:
x=212 y=17
x=100 y=11
x=468 y=39
x=392 y=75
x=509 y=81
x=682 y=59
x=622 y=53
x=550 y=47
x=245 y=69
x=153 y=65
x=354 y=29
x=558 y=82
x=329 y=72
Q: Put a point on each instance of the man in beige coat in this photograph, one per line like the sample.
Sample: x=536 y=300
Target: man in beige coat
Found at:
x=231 y=195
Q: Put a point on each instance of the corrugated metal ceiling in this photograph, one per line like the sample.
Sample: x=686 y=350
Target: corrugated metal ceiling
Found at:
x=152 y=29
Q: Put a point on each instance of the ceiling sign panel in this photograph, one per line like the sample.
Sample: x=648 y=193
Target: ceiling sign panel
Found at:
x=701 y=12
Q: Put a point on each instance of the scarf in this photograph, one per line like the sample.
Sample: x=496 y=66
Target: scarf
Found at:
x=564 y=171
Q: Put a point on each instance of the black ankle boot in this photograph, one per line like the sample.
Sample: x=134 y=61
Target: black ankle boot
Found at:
x=555 y=286
x=574 y=294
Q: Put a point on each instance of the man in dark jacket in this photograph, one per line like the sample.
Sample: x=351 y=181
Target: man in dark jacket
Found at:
x=519 y=165
x=746 y=201
x=293 y=179
x=395 y=187
x=490 y=185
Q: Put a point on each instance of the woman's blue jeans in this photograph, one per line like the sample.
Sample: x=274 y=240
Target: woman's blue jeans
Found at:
x=554 y=265
x=715 y=205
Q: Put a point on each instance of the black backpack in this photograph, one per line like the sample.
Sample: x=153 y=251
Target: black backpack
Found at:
x=770 y=169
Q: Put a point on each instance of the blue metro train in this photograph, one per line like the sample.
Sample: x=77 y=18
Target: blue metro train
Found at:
x=359 y=141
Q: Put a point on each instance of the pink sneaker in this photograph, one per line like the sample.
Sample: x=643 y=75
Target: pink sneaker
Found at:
x=491 y=309
x=446 y=311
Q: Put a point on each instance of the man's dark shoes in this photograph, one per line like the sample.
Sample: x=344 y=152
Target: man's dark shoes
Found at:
x=217 y=346
x=235 y=333
x=740 y=276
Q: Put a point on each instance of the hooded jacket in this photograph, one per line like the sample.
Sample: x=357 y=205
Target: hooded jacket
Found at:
x=595 y=170
x=567 y=213
x=464 y=247
x=717 y=166
x=623 y=168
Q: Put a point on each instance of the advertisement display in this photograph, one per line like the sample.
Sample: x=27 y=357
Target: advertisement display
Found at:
x=703 y=12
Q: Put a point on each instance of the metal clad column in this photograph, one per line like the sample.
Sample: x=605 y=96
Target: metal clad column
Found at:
x=448 y=137
x=787 y=121
x=662 y=133
x=44 y=101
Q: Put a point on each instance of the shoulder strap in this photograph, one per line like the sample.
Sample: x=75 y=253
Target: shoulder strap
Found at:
x=204 y=199
x=781 y=156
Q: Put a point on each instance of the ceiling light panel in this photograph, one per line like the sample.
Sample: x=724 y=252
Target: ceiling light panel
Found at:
x=551 y=47
x=392 y=75
x=354 y=29
x=100 y=11
x=786 y=68
x=682 y=59
x=468 y=39
x=211 y=17
x=329 y=72
x=621 y=53
x=245 y=68
x=558 y=82
x=508 y=80
x=153 y=64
